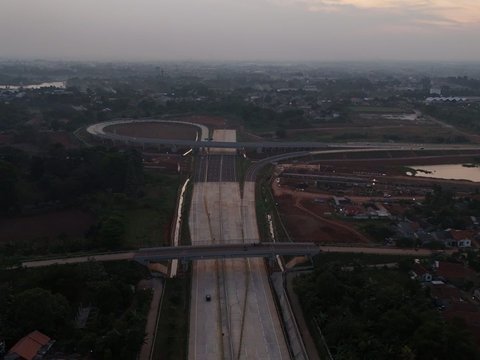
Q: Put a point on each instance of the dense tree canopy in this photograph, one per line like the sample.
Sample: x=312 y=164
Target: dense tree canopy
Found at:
x=380 y=314
x=64 y=175
x=47 y=300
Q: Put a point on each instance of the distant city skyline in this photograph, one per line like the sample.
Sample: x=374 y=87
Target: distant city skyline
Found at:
x=268 y=30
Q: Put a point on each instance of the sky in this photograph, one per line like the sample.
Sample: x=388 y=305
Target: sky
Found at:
x=252 y=30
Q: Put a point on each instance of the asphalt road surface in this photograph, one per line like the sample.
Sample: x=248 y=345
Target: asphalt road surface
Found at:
x=216 y=168
x=98 y=130
x=240 y=320
x=233 y=249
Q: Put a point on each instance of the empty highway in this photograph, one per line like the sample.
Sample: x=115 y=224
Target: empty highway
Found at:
x=240 y=321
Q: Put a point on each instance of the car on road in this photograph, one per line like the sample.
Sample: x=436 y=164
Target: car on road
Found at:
x=208 y=297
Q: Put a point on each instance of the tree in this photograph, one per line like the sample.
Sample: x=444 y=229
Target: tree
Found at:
x=112 y=231
x=39 y=309
x=8 y=179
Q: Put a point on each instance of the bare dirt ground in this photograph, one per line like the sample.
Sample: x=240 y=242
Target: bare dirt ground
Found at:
x=390 y=161
x=212 y=121
x=408 y=132
x=155 y=130
x=305 y=220
x=168 y=162
x=69 y=222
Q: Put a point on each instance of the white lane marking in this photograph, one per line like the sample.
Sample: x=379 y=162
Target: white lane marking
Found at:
x=271 y=317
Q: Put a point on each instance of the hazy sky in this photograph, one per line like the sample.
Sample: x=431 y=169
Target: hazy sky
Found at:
x=241 y=29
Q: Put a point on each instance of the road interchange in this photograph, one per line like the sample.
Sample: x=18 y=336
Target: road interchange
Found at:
x=212 y=216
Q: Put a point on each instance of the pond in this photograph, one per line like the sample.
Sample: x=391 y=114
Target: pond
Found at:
x=447 y=171
x=55 y=84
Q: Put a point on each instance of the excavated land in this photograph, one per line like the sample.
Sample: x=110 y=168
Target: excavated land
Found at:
x=306 y=221
x=156 y=130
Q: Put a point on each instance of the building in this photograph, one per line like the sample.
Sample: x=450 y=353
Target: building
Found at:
x=461 y=238
x=34 y=346
x=419 y=272
x=455 y=272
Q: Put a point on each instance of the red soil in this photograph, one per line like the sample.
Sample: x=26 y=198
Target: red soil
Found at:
x=305 y=220
x=155 y=130
x=73 y=223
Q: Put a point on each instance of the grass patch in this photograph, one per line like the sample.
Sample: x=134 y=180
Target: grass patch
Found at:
x=173 y=323
x=378 y=109
x=242 y=166
x=185 y=237
x=145 y=227
x=265 y=205
x=149 y=221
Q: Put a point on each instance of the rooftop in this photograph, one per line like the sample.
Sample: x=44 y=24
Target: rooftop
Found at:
x=29 y=346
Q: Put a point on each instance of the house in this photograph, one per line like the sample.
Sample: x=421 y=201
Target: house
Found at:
x=445 y=295
x=353 y=210
x=474 y=221
x=454 y=271
x=461 y=238
x=406 y=229
x=419 y=272
x=441 y=236
x=476 y=294
x=382 y=212
x=341 y=201
x=34 y=346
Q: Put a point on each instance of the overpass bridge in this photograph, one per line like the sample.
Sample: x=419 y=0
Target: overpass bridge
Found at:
x=204 y=141
x=223 y=251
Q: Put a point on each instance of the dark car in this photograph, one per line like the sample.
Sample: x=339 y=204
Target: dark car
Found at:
x=208 y=297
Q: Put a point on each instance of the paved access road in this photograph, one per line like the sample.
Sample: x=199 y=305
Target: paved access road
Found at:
x=226 y=140
x=381 y=251
x=80 y=259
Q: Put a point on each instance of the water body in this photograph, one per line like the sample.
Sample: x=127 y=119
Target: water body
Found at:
x=55 y=84
x=449 y=171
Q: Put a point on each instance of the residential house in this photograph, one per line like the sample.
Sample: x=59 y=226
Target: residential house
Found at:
x=34 y=346
x=461 y=238
x=406 y=229
x=419 y=272
x=454 y=272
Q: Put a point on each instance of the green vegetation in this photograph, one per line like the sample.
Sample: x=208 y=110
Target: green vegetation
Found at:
x=443 y=209
x=146 y=219
x=379 y=314
x=127 y=206
x=378 y=110
x=48 y=300
x=377 y=230
x=461 y=116
x=359 y=259
x=185 y=238
x=62 y=177
x=408 y=133
x=264 y=205
x=172 y=327
x=242 y=166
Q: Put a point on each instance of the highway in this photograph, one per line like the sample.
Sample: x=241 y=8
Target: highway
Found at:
x=240 y=321
x=98 y=130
